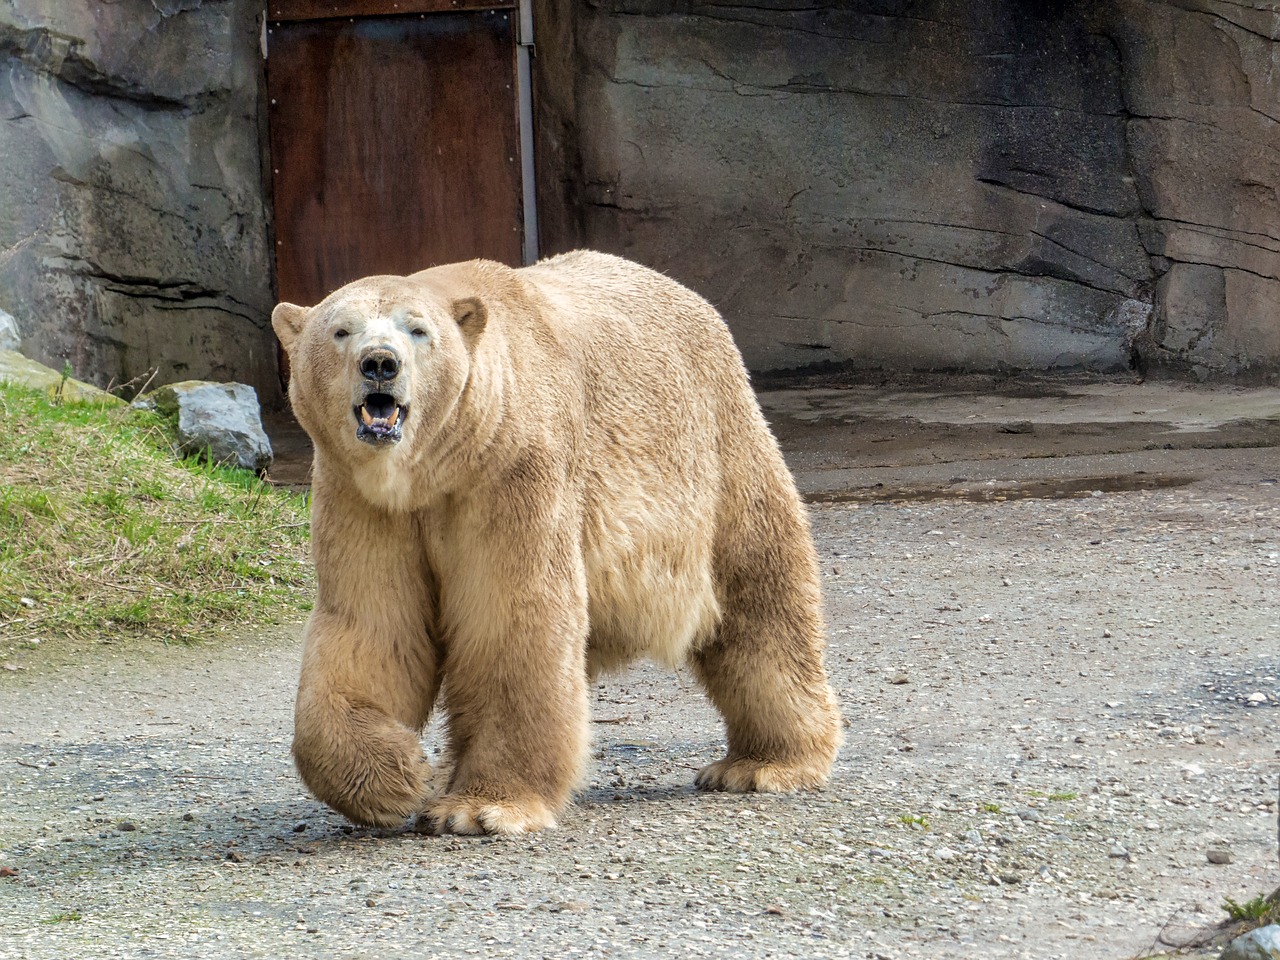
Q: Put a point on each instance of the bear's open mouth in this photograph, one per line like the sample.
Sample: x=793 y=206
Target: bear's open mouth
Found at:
x=380 y=419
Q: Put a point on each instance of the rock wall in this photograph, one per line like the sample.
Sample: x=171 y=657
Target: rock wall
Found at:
x=133 y=229
x=897 y=184
x=932 y=184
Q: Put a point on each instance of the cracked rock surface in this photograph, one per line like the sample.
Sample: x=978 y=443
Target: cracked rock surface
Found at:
x=938 y=186
x=132 y=223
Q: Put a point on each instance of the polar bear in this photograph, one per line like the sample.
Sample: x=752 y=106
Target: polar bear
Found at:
x=523 y=478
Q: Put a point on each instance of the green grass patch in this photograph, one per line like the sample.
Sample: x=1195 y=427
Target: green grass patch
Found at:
x=1251 y=910
x=104 y=535
x=69 y=916
x=912 y=820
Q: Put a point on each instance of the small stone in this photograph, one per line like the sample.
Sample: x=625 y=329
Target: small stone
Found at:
x=1119 y=852
x=899 y=679
x=8 y=871
x=1258 y=697
x=370 y=902
x=220 y=420
x=127 y=826
x=27 y=602
x=235 y=856
x=1017 y=426
x=945 y=853
x=1219 y=855
x=300 y=826
x=188 y=816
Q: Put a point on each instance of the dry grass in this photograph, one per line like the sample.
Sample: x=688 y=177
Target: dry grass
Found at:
x=104 y=535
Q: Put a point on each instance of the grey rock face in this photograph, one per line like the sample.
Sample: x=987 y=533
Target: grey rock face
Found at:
x=1260 y=944
x=132 y=222
x=222 y=420
x=958 y=185
x=10 y=339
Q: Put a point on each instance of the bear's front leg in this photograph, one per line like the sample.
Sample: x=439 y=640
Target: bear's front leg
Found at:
x=515 y=690
x=356 y=727
x=369 y=668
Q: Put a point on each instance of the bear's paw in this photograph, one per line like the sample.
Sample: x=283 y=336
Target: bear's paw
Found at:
x=473 y=816
x=750 y=775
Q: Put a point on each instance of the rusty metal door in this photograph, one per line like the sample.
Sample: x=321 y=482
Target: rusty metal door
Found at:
x=394 y=138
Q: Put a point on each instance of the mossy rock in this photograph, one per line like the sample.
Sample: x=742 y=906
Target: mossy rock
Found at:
x=15 y=368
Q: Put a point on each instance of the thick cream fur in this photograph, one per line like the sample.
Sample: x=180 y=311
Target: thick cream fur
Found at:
x=584 y=478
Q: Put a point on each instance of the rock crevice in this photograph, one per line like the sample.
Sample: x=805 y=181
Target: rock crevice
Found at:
x=1085 y=184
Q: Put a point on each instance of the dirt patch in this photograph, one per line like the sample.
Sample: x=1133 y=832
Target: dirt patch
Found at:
x=1055 y=708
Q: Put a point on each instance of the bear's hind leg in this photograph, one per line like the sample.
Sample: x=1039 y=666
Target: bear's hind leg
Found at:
x=763 y=670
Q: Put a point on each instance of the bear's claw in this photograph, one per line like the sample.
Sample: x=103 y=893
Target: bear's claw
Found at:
x=473 y=816
x=746 y=775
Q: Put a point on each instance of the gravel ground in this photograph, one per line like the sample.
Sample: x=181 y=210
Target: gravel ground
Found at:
x=1056 y=708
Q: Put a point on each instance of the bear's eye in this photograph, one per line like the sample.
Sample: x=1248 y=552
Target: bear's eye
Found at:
x=418 y=333
x=341 y=334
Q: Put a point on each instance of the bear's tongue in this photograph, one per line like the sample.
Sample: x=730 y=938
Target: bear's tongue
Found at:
x=380 y=418
x=379 y=406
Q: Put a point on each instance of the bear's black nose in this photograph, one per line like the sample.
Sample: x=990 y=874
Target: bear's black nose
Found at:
x=379 y=364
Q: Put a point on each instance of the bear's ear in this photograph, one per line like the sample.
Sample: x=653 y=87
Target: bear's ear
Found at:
x=287 y=320
x=470 y=314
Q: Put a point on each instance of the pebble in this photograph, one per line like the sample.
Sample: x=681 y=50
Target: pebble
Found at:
x=1119 y=852
x=127 y=826
x=1219 y=855
x=1017 y=426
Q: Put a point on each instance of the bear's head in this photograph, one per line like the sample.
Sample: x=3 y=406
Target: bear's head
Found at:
x=377 y=366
